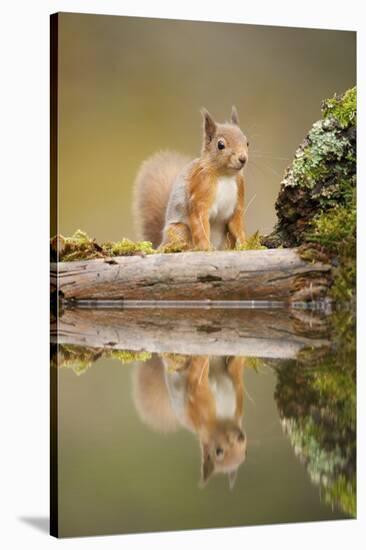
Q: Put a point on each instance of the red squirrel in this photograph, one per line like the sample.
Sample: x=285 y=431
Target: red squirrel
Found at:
x=204 y=395
x=198 y=203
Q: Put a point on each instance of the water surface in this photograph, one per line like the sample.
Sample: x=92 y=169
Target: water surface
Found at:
x=130 y=458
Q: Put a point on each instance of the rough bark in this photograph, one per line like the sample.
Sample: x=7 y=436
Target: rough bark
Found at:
x=275 y=334
x=274 y=275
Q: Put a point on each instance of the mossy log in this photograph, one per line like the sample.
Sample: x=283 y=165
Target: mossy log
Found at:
x=275 y=275
x=275 y=334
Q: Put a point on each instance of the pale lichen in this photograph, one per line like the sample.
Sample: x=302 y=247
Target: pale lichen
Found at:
x=323 y=173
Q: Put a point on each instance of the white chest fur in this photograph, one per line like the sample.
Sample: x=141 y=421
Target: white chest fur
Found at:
x=225 y=201
x=221 y=386
x=225 y=398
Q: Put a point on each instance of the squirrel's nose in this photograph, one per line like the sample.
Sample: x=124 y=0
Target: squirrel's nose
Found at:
x=242 y=160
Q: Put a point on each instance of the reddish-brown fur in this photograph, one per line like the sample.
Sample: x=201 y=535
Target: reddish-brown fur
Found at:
x=236 y=233
x=152 y=402
x=213 y=432
x=202 y=190
x=156 y=177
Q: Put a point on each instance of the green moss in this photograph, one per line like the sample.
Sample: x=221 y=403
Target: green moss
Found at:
x=78 y=247
x=317 y=200
x=342 y=108
x=77 y=358
x=173 y=247
x=80 y=358
x=125 y=356
x=126 y=247
x=253 y=242
x=253 y=363
x=80 y=237
x=316 y=397
x=335 y=230
x=342 y=493
x=82 y=247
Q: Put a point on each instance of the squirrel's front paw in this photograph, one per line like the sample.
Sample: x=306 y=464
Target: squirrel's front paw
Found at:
x=204 y=246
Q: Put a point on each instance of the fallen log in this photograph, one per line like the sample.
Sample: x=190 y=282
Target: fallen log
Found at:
x=275 y=275
x=275 y=334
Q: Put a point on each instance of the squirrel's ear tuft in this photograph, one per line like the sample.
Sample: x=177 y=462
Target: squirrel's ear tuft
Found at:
x=234 y=116
x=209 y=125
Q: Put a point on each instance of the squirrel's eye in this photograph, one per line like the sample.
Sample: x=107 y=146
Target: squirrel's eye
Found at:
x=219 y=452
x=220 y=144
x=247 y=143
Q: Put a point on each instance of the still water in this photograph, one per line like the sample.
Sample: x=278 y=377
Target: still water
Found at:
x=211 y=419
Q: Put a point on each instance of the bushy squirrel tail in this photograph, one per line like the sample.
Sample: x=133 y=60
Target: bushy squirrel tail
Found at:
x=151 y=397
x=151 y=193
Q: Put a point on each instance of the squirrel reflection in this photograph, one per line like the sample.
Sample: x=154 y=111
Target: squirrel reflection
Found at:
x=204 y=395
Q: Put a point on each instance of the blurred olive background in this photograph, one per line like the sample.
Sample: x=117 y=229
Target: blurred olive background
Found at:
x=131 y=86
